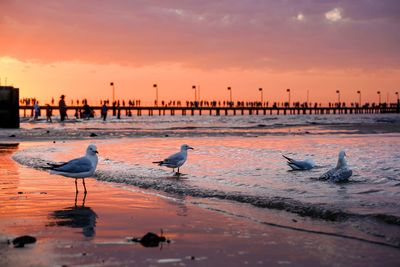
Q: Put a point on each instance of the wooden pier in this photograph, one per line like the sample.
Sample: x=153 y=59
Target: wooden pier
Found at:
x=218 y=111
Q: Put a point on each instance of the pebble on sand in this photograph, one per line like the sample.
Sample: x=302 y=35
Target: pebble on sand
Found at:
x=21 y=241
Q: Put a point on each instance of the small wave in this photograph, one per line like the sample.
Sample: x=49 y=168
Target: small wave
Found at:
x=385 y=120
x=155 y=179
x=370 y=191
x=177 y=187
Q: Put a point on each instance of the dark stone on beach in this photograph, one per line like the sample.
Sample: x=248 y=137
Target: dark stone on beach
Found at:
x=93 y=135
x=307 y=132
x=7 y=145
x=20 y=193
x=166 y=135
x=13 y=135
x=294 y=220
x=47 y=131
x=150 y=240
x=54 y=142
x=21 y=241
x=193 y=258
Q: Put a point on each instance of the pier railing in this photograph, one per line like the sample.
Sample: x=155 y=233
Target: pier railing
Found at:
x=166 y=110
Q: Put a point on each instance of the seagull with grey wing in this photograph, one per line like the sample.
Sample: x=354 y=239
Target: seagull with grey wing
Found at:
x=300 y=165
x=341 y=173
x=79 y=168
x=176 y=160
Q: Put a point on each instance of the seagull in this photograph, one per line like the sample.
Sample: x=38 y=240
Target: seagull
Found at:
x=82 y=167
x=176 y=160
x=300 y=165
x=340 y=173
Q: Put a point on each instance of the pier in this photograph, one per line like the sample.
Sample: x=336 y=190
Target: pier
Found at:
x=219 y=111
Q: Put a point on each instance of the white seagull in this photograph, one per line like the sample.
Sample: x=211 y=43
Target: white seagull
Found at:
x=340 y=173
x=82 y=167
x=176 y=160
x=300 y=165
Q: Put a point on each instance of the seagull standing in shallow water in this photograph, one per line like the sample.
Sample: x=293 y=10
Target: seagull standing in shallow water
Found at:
x=341 y=173
x=300 y=165
x=176 y=160
x=82 y=167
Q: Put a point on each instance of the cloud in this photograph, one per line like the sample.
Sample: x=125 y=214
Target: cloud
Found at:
x=204 y=34
x=334 y=15
x=300 y=17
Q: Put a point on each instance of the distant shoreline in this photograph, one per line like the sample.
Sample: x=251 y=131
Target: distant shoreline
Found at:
x=44 y=132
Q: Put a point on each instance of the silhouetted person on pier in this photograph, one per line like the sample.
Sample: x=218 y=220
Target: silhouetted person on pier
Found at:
x=37 y=109
x=63 y=107
x=104 y=111
x=49 y=113
x=114 y=108
x=118 y=111
x=87 y=112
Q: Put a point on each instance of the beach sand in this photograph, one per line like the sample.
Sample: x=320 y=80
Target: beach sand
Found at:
x=94 y=230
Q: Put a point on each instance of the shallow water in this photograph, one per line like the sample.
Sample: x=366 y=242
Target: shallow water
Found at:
x=251 y=170
x=94 y=229
x=239 y=159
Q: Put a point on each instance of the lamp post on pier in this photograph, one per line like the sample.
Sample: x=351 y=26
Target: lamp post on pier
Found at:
x=379 y=95
x=195 y=92
x=113 y=91
x=288 y=90
x=156 y=86
x=230 y=95
x=262 y=98
x=338 y=93
x=397 y=93
x=359 y=98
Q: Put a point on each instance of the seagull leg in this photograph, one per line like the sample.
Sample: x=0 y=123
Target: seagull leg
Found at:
x=76 y=197
x=76 y=185
x=84 y=199
x=84 y=186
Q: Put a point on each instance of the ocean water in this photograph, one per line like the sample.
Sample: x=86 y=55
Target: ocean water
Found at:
x=237 y=165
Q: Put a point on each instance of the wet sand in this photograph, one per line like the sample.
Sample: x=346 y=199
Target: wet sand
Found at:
x=94 y=230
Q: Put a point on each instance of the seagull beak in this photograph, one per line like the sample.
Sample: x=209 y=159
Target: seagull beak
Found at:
x=191 y=148
x=97 y=152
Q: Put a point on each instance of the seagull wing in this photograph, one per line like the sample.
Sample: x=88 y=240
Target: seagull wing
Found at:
x=78 y=165
x=328 y=174
x=176 y=159
x=341 y=175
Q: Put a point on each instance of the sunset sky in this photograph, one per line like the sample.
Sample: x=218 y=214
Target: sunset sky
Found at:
x=77 y=48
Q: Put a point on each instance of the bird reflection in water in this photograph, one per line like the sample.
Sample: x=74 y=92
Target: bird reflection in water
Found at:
x=76 y=217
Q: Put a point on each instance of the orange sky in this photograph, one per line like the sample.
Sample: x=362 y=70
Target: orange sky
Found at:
x=78 y=47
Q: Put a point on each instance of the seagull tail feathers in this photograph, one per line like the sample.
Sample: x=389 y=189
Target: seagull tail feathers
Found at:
x=52 y=166
x=289 y=159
